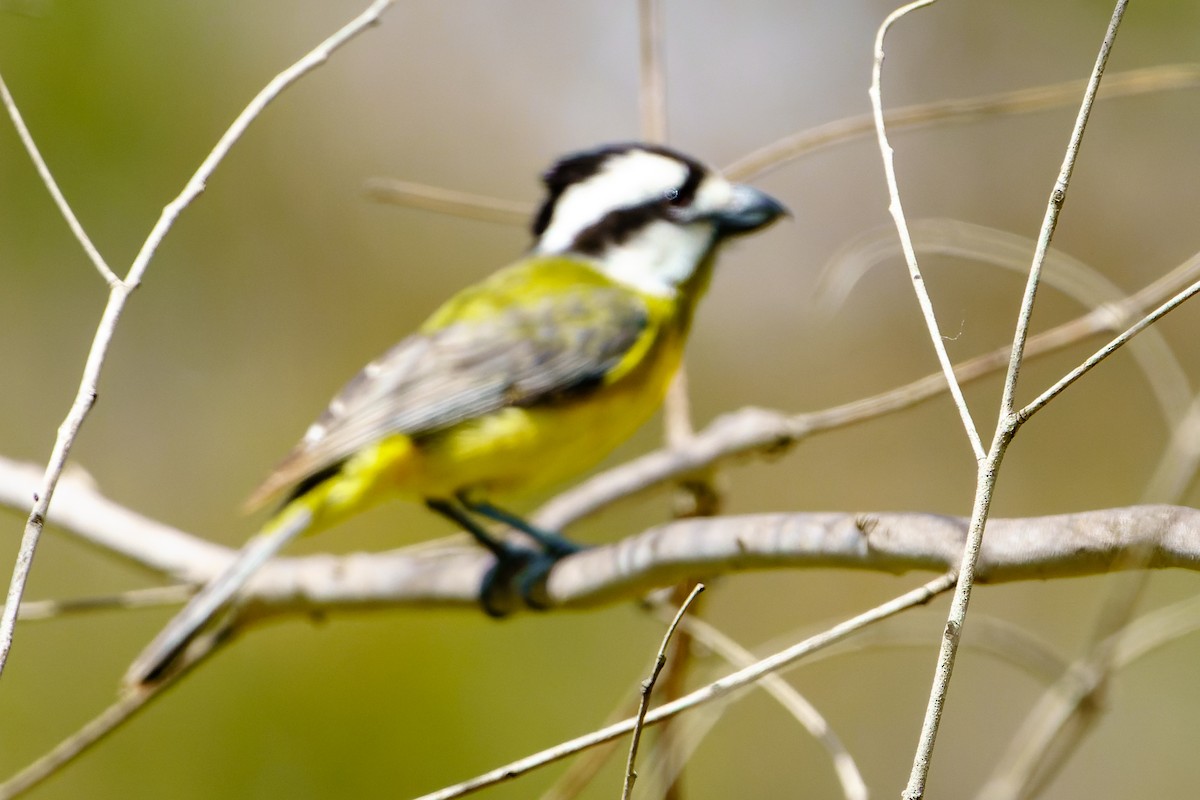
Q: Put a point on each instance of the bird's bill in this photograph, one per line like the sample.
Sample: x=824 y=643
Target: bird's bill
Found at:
x=747 y=209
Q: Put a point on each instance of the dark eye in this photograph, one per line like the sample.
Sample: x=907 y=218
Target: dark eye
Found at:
x=673 y=197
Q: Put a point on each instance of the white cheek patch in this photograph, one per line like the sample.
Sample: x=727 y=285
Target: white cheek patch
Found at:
x=658 y=258
x=627 y=180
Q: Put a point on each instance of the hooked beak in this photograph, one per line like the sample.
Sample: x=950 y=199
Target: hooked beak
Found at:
x=748 y=210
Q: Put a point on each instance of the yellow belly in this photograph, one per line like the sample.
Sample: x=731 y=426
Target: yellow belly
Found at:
x=514 y=449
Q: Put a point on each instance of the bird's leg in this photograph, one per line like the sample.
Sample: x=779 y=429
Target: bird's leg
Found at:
x=532 y=578
x=554 y=544
x=495 y=593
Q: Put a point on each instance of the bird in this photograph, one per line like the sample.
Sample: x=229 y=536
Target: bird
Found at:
x=520 y=381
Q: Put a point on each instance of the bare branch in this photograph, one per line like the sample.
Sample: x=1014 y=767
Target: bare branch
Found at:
x=1058 y=196
x=652 y=89
x=1006 y=428
x=647 y=688
x=853 y=785
x=448 y=572
x=724 y=688
x=1148 y=80
x=107 y=721
x=1160 y=366
x=1024 y=762
x=910 y=255
x=153 y=597
x=119 y=293
x=43 y=171
x=1036 y=548
x=1166 y=77
x=1104 y=352
x=448 y=201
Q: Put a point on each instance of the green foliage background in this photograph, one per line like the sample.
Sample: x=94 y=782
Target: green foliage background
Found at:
x=283 y=279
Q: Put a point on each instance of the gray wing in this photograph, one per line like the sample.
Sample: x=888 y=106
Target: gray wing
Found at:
x=523 y=355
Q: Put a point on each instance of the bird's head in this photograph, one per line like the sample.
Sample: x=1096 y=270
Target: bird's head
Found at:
x=646 y=215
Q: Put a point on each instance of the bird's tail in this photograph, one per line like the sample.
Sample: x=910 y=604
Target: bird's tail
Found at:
x=158 y=657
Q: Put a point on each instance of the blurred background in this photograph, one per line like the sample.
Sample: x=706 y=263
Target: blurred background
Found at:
x=284 y=278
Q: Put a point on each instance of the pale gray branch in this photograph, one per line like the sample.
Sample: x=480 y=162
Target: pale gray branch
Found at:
x=896 y=208
x=43 y=170
x=448 y=572
x=119 y=293
x=848 y=774
x=467 y=205
x=660 y=661
x=723 y=689
x=1006 y=426
x=1166 y=77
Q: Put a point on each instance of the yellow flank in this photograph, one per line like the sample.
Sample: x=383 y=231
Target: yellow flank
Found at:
x=519 y=448
x=516 y=449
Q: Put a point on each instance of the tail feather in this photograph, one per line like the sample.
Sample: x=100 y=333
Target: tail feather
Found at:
x=162 y=653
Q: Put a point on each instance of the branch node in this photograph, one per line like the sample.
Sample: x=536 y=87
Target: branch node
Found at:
x=866 y=524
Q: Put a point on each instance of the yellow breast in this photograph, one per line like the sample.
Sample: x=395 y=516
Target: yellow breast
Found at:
x=529 y=444
x=518 y=449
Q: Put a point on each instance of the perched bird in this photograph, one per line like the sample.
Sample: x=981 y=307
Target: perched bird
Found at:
x=522 y=380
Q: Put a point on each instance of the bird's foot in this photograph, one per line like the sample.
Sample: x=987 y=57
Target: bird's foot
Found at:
x=519 y=575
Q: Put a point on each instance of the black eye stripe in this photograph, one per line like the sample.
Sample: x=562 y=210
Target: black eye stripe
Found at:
x=616 y=227
x=687 y=192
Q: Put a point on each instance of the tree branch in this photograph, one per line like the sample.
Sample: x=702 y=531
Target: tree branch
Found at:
x=120 y=291
x=896 y=208
x=447 y=572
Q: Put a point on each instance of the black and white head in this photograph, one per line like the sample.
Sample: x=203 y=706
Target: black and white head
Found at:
x=646 y=215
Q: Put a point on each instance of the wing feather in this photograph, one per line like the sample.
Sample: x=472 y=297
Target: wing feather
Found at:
x=561 y=344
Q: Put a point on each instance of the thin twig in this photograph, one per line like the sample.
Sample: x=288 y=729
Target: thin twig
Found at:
x=465 y=205
x=720 y=689
x=910 y=255
x=51 y=185
x=647 y=688
x=1024 y=762
x=1069 y=709
x=652 y=87
x=749 y=430
x=119 y=293
x=1104 y=352
x=1006 y=428
x=153 y=597
x=670 y=754
x=1178 y=465
x=1058 y=196
x=1166 y=77
x=853 y=785
x=580 y=773
x=1148 y=80
x=1153 y=355
x=104 y=723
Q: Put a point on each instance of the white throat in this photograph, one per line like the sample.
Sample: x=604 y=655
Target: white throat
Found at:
x=659 y=258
